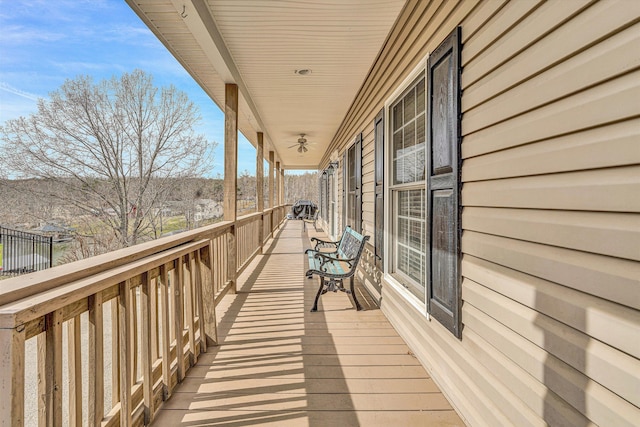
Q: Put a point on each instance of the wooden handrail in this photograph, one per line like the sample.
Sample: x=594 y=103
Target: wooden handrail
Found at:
x=25 y=310
x=34 y=283
x=172 y=285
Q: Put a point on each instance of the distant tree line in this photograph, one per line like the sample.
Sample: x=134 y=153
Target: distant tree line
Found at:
x=22 y=200
x=301 y=187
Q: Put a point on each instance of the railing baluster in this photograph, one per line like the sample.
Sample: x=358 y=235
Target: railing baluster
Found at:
x=147 y=357
x=154 y=319
x=133 y=308
x=96 y=359
x=179 y=317
x=206 y=293
x=224 y=256
x=124 y=333
x=221 y=265
x=188 y=294
x=74 y=355
x=166 y=336
x=12 y=376
x=243 y=245
x=115 y=353
x=232 y=263
x=172 y=277
x=53 y=368
x=42 y=375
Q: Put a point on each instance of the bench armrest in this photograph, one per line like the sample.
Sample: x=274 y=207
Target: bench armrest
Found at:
x=321 y=243
x=325 y=257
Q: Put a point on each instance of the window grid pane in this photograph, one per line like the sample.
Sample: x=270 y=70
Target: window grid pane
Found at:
x=408 y=115
x=410 y=243
x=351 y=187
x=397 y=117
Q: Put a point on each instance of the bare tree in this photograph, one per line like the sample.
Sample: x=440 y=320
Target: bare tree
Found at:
x=301 y=187
x=246 y=192
x=191 y=191
x=112 y=148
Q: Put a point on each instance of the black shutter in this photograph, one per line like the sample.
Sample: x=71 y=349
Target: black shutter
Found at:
x=358 y=190
x=378 y=124
x=321 y=193
x=443 y=183
x=345 y=181
x=325 y=198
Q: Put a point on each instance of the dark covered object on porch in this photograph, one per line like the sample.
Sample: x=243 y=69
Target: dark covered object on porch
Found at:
x=303 y=209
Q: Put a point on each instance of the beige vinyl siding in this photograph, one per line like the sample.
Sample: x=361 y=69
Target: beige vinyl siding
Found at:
x=408 y=43
x=340 y=197
x=609 y=146
x=368 y=189
x=367 y=272
x=560 y=222
x=551 y=224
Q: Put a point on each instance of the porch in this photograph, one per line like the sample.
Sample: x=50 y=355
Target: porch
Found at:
x=167 y=333
x=278 y=364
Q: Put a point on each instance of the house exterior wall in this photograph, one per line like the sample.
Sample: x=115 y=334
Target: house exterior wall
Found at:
x=550 y=224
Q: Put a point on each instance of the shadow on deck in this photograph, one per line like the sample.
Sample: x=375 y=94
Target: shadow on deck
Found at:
x=280 y=365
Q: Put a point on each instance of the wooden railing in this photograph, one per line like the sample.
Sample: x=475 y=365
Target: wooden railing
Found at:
x=247 y=237
x=126 y=325
x=267 y=227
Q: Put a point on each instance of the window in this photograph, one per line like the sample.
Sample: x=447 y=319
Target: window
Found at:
x=352 y=187
x=378 y=125
x=323 y=184
x=408 y=188
x=332 y=202
x=424 y=188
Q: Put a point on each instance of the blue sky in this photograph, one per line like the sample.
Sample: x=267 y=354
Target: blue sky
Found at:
x=44 y=42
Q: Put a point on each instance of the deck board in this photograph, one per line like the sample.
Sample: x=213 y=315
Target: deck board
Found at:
x=278 y=364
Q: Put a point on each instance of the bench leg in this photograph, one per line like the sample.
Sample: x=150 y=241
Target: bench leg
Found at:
x=315 y=303
x=353 y=293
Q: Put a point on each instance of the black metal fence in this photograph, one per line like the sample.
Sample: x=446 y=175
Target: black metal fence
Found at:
x=22 y=252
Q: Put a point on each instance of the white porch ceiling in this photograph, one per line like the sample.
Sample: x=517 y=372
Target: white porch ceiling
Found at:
x=259 y=44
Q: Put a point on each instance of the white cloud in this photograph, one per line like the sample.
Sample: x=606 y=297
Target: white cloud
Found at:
x=8 y=88
x=17 y=34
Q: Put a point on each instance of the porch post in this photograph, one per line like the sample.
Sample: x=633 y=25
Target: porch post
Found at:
x=276 y=196
x=282 y=186
x=272 y=203
x=260 y=187
x=231 y=175
x=277 y=189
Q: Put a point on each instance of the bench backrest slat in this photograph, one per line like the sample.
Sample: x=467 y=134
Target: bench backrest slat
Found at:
x=350 y=243
x=349 y=251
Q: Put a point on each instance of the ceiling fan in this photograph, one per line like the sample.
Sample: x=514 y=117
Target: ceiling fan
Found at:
x=301 y=144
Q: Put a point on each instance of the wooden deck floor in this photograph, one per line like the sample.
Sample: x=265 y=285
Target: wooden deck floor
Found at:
x=280 y=365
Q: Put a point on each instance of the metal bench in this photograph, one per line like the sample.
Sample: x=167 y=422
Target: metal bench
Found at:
x=337 y=264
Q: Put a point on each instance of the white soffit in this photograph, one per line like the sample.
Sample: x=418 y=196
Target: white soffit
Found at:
x=259 y=44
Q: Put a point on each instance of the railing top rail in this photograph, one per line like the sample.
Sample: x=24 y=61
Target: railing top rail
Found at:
x=248 y=218
x=30 y=284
